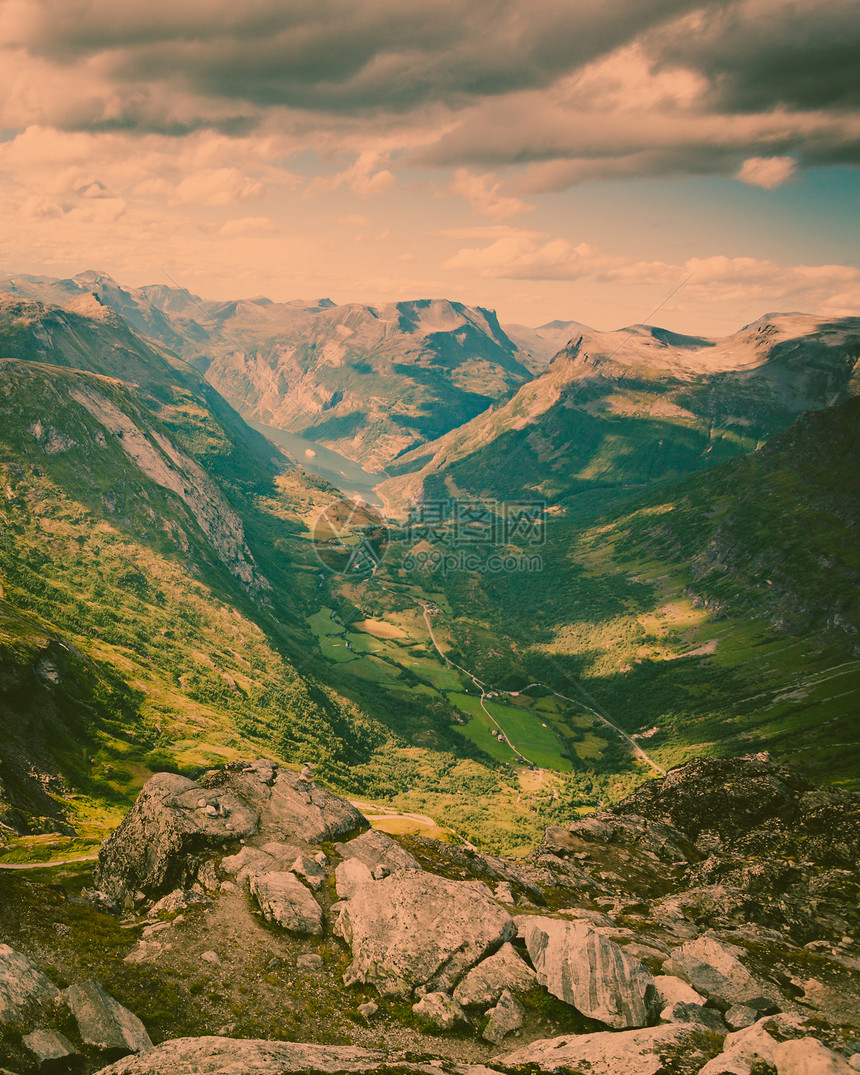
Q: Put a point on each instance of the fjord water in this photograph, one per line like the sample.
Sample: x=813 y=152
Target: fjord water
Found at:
x=343 y=473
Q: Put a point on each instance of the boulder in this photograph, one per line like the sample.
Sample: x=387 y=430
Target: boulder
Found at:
x=505 y=1018
x=806 y=1056
x=247 y=862
x=51 y=1050
x=176 y=823
x=378 y=850
x=155 y=848
x=281 y=852
x=485 y=983
x=414 y=928
x=682 y=1012
x=671 y=1049
x=739 y=1016
x=289 y=806
x=714 y=970
x=228 y=1056
x=177 y=901
x=590 y=972
x=742 y=1050
x=438 y=1010
x=25 y=993
x=103 y=1021
x=285 y=900
x=349 y=876
x=670 y=990
x=310 y=871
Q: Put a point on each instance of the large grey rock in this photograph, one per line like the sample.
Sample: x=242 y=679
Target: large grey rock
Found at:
x=440 y=1011
x=378 y=852
x=741 y=1050
x=349 y=876
x=806 y=1056
x=155 y=848
x=739 y=1016
x=228 y=1056
x=290 y=807
x=414 y=928
x=247 y=862
x=682 y=1012
x=590 y=972
x=484 y=984
x=310 y=871
x=285 y=900
x=25 y=993
x=672 y=990
x=51 y=1050
x=175 y=824
x=505 y=1018
x=659 y=1050
x=714 y=970
x=103 y=1021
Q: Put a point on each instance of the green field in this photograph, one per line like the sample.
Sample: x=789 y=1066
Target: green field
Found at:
x=524 y=730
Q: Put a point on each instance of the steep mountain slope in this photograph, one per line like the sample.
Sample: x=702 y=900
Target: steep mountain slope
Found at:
x=775 y=533
x=133 y=608
x=615 y=411
x=369 y=382
x=708 y=615
x=163 y=605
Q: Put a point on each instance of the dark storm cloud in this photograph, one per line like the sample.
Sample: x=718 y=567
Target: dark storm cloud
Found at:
x=339 y=56
x=769 y=77
x=757 y=56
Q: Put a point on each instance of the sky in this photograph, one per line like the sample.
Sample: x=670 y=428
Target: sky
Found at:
x=688 y=164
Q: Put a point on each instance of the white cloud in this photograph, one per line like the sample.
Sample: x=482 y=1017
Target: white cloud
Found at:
x=716 y=280
x=484 y=193
x=247 y=225
x=218 y=186
x=366 y=177
x=767 y=172
x=528 y=255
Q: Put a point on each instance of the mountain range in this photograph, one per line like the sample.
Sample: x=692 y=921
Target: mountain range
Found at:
x=164 y=604
x=615 y=411
x=367 y=381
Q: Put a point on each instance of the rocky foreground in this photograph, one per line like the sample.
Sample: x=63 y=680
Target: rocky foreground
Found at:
x=705 y=926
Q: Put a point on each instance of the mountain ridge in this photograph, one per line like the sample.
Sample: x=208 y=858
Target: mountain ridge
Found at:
x=713 y=398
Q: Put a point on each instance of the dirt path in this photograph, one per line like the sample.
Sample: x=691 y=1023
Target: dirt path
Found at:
x=43 y=865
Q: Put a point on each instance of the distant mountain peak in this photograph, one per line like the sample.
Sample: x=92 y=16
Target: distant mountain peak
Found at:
x=92 y=276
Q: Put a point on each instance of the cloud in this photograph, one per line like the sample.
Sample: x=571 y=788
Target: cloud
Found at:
x=218 y=186
x=331 y=55
x=353 y=220
x=247 y=225
x=757 y=54
x=530 y=255
x=484 y=194
x=767 y=172
x=571 y=92
x=365 y=177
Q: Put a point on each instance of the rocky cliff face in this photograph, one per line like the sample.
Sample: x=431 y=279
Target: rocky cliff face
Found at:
x=703 y=927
